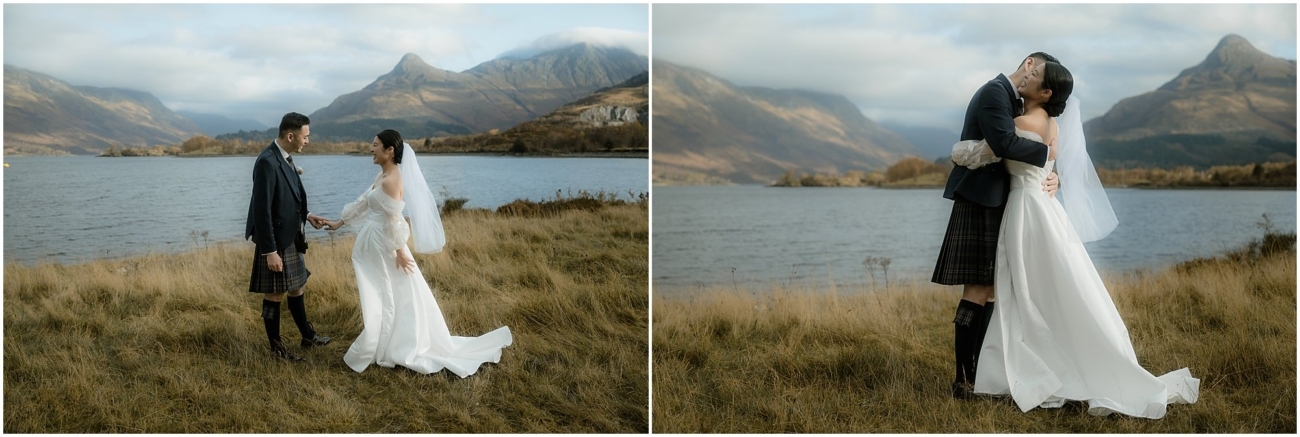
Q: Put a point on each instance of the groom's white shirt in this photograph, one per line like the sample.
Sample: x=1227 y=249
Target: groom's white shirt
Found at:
x=284 y=154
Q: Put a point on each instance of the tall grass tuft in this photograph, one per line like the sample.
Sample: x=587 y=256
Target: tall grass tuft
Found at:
x=791 y=360
x=173 y=343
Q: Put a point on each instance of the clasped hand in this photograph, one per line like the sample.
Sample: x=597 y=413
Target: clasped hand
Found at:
x=322 y=222
x=1051 y=185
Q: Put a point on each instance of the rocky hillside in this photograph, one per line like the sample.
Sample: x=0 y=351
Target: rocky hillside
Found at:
x=612 y=119
x=43 y=114
x=627 y=102
x=706 y=128
x=1237 y=106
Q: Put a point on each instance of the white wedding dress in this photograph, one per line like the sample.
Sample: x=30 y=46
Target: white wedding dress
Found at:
x=1055 y=333
x=403 y=325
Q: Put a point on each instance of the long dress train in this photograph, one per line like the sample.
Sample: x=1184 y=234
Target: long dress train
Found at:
x=403 y=325
x=1056 y=334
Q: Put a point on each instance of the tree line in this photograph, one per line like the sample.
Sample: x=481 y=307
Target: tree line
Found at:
x=914 y=171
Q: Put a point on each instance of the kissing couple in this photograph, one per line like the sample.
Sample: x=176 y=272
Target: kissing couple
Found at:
x=1055 y=334
x=403 y=325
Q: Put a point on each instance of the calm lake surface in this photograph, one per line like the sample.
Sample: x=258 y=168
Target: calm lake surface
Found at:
x=763 y=236
x=69 y=209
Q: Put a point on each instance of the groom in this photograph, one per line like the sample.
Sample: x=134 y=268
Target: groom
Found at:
x=275 y=222
x=979 y=196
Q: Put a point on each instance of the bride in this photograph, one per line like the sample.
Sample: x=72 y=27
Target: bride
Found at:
x=1055 y=333
x=403 y=325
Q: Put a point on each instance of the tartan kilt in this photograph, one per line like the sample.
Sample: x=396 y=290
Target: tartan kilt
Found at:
x=970 y=247
x=294 y=276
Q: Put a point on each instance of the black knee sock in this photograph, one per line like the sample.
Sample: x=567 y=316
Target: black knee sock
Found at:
x=985 y=318
x=271 y=315
x=299 y=312
x=966 y=342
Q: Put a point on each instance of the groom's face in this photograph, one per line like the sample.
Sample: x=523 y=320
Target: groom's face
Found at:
x=298 y=140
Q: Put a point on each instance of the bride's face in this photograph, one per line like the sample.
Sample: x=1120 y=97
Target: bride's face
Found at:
x=1033 y=81
x=377 y=152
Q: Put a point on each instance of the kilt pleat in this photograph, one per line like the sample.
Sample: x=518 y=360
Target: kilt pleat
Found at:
x=294 y=276
x=970 y=245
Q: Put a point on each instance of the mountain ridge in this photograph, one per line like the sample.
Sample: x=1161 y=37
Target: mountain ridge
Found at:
x=707 y=128
x=496 y=94
x=44 y=114
x=1236 y=106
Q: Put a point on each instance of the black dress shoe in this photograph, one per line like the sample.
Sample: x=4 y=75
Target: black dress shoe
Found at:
x=283 y=354
x=962 y=390
x=317 y=340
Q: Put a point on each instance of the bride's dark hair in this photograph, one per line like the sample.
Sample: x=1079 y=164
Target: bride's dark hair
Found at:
x=393 y=140
x=1058 y=79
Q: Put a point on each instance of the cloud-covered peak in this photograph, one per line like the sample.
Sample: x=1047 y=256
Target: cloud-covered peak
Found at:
x=636 y=42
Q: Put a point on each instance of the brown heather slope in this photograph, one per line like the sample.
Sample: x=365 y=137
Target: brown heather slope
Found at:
x=173 y=343
x=759 y=361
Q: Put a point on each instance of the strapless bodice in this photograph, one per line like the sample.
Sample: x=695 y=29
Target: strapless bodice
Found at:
x=1027 y=175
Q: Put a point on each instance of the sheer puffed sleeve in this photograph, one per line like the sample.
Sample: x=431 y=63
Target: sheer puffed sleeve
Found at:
x=352 y=212
x=973 y=154
x=396 y=231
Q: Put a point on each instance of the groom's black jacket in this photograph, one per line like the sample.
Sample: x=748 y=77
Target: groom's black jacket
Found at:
x=990 y=117
x=279 y=206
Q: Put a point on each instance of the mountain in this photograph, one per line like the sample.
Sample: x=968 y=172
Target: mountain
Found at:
x=932 y=143
x=706 y=128
x=626 y=102
x=44 y=114
x=496 y=94
x=1238 y=106
x=213 y=125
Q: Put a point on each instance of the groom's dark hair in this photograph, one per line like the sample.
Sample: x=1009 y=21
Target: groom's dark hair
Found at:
x=1058 y=79
x=294 y=122
x=1042 y=57
x=392 y=140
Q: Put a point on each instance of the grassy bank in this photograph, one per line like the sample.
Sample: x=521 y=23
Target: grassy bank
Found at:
x=173 y=343
x=791 y=361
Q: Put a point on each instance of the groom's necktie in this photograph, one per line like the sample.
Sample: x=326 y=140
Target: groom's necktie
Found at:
x=297 y=179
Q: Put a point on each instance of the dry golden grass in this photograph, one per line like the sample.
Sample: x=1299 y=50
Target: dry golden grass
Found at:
x=173 y=343
x=794 y=361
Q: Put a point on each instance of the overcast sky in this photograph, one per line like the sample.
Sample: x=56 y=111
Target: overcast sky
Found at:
x=920 y=64
x=259 y=61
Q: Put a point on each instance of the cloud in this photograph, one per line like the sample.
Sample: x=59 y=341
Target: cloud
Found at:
x=915 y=63
x=637 y=42
x=261 y=60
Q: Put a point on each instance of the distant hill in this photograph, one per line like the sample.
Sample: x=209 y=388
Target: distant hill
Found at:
x=931 y=142
x=1238 y=106
x=213 y=125
x=43 y=114
x=497 y=94
x=706 y=128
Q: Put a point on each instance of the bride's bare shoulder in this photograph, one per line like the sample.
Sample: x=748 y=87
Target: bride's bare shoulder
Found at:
x=392 y=184
x=1034 y=122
